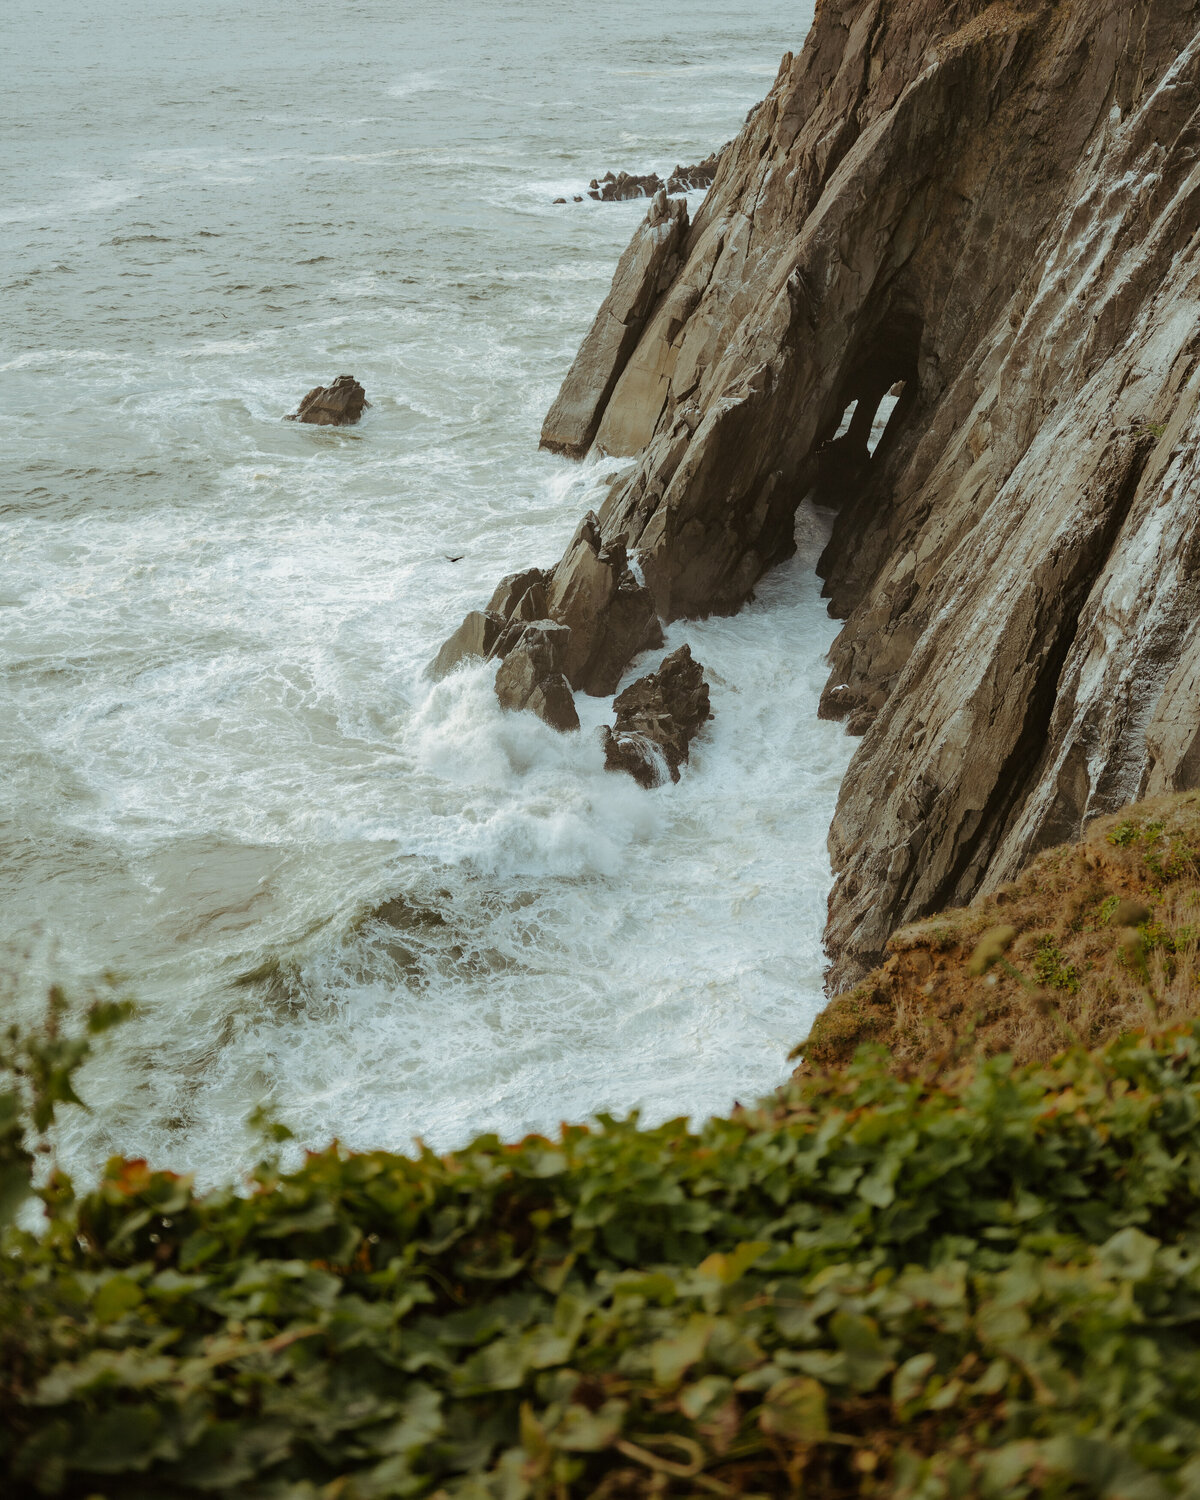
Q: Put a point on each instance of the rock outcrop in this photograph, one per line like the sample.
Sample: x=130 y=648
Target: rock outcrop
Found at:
x=658 y=717
x=622 y=186
x=531 y=674
x=649 y=264
x=338 y=405
x=602 y=616
x=998 y=205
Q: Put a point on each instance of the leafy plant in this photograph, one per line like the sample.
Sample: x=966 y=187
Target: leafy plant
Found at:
x=985 y=1285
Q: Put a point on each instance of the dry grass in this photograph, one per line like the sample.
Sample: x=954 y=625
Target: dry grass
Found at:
x=1070 y=968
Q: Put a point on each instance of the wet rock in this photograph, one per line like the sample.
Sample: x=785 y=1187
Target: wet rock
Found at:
x=338 y=405
x=473 y=640
x=611 y=616
x=688 y=179
x=650 y=263
x=658 y=716
x=618 y=189
x=1017 y=563
x=531 y=674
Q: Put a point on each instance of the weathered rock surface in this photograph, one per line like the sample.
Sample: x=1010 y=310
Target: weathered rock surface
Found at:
x=648 y=265
x=611 y=616
x=473 y=640
x=592 y=593
x=531 y=675
x=658 y=716
x=997 y=204
x=626 y=185
x=338 y=405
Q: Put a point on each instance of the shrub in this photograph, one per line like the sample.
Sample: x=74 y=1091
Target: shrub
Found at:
x=872 y=1283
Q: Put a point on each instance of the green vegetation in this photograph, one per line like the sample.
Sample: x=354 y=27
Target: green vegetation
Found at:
x=878 y=1282
x=1090 y=941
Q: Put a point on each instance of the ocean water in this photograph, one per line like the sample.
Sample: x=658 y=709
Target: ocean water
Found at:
x=384 y=907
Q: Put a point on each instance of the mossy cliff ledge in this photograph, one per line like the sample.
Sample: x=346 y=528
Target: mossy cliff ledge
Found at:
x=997 y=205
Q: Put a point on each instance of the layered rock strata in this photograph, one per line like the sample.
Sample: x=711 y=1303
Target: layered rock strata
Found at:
x=996 y=205
x=338 y=405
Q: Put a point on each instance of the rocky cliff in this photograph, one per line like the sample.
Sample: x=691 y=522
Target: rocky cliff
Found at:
x=997 y=206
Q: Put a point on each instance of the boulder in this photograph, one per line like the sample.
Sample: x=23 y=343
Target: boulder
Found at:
x=531 y=674
x=338 y=405
x=650 y=264
x=658 y=716
x=474 y=639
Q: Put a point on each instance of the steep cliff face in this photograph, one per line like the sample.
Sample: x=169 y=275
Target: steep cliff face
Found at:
x=997 y=205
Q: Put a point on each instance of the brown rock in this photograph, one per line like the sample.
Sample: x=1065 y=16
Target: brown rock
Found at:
x=611 y=616
x=658 y=716
x=997 y=205
x=702 y=175
x=610 y=189
x=474 y=639
x=338 y=405
x=531 y=676
x=649 y=264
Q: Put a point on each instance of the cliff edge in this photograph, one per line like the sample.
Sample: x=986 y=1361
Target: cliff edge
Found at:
x=996 y=207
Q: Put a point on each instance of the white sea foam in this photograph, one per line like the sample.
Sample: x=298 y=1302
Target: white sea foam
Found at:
x=384 y=903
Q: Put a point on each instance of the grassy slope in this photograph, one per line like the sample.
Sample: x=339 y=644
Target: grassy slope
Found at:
x=1074 y=971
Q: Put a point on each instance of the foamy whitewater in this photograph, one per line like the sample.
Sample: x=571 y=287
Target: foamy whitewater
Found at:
x=387 y=909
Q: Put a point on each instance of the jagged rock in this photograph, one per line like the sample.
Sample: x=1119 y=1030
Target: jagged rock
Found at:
x=649 y=264
x=474 y=638
x=338 y=405
x=626 y=185
x=611 y=616
x=531 y=674
x=688 y=179
x=658 y=716
x=610 y=189
x=511 y=589
x=998 y=205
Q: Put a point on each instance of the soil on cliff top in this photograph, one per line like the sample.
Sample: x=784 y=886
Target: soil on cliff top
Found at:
x=1093 y=939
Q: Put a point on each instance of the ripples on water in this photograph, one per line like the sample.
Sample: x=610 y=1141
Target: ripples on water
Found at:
x=392 y=910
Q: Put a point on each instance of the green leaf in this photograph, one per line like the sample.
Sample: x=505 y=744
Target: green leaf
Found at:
x=795 y=1411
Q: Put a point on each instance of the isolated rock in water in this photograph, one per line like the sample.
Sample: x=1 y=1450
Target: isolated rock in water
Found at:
x=531 y=675
x=610 y=189
x=338 y=405
x=474 y=639
x=611 y=616
x=649 y=264
x=658 y=716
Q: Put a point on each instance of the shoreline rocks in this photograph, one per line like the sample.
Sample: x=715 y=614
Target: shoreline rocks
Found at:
x=658 y=716
x=621 y=186
x=338 y=405
x=650 y=264
x=1017 y=561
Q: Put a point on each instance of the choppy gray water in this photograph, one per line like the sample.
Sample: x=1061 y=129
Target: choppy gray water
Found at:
x=389 y=909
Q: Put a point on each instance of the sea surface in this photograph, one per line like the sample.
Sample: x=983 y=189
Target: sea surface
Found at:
x=383 y=907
